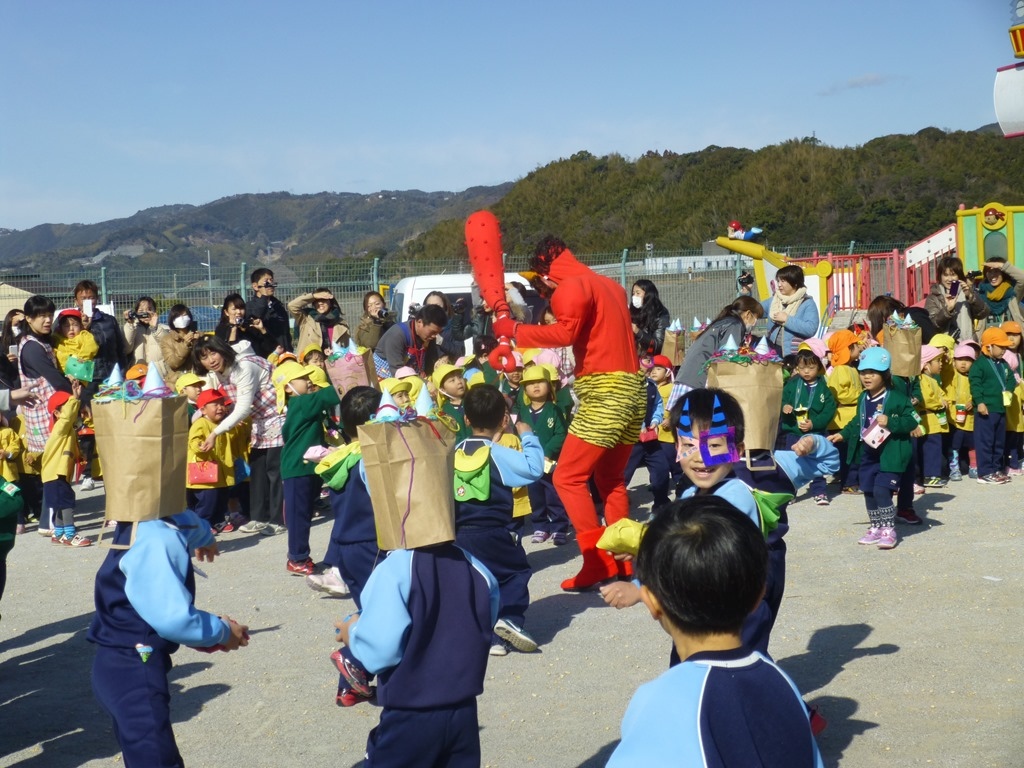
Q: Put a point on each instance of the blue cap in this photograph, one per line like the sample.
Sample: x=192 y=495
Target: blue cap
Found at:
x=875 y=359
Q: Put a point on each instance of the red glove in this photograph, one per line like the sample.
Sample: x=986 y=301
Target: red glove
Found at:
x=504 y=326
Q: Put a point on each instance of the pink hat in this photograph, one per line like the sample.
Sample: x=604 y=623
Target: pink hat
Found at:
x=965 y=350
x=405 y=371
x=817 y=346
x=929 y=353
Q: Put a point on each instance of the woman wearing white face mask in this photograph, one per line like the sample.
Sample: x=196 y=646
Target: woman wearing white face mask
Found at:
x=9 y=338
x=650 y=318
x=177 y=345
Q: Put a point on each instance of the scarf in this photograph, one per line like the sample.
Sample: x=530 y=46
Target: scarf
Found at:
x=997 y=297
x=788 y=304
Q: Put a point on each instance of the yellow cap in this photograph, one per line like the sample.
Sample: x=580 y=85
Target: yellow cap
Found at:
x=187 y=380
x=442 y=372
x=394 y=386
x=536 y=373
x=310 y=348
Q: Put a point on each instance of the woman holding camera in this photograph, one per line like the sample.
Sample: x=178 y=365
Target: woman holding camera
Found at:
x=177 y=343
x=318 y=320
x=243 y=334
x=375 y=320
x=143 y=331
x=952 y=304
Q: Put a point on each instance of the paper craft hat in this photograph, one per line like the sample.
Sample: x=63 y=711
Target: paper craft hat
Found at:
x=154 y=381
x=762 y=347
x=116 y=378
x=424 y=405
x=730 y=344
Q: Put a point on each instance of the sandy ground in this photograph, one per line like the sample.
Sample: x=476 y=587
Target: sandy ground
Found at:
x=913 y=655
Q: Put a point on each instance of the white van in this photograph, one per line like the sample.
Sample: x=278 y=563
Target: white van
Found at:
x=411 y=291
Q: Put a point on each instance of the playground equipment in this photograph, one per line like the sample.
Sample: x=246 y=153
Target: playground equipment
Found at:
x=1008 y=92
x=767 y=263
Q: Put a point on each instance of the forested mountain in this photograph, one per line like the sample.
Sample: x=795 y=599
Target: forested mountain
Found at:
x=894 y=188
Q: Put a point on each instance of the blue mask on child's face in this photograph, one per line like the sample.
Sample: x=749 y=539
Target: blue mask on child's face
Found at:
x=716 y=446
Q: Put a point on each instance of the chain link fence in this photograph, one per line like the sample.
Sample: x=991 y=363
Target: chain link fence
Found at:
x=691 y=283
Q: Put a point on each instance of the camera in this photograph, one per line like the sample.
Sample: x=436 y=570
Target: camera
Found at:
x=460 y=306
x=133 y=316
x=975 y=274
x=381 y=314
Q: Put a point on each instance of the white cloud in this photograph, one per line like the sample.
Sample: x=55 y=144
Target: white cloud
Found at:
x=870 y=80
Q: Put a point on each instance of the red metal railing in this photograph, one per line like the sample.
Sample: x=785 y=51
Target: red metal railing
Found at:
x=858 y=278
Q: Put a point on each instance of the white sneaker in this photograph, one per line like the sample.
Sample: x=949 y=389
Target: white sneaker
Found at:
x=328 y=582
x=88 y=484
x=515 y=636
x=270 y=529
x=498 y=649
x=252 y=527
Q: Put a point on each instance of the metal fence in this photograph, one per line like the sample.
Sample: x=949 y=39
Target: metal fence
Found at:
x=691 y=283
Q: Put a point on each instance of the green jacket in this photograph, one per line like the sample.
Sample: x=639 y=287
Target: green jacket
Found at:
x=304 y=428
x=897 y=449
x=821 y=407
x=989 y=379
x=548 y=424
x=455 y=413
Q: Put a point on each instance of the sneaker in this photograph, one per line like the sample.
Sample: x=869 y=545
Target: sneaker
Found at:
x=55 y=539
x=871 y=537
x=973 y=473
x=498 y=649
x=252 y=527
x=327 y=582
x=559 y=539
x=110 y=524
x=918 y=489
x=907 y=516
x=224 y=526
x=821 y=500
x=77 y=541
x=934 y=482
x=348 y=698
x=88 y=484
x=992 y=479
x=45 y=531
x=19 y=529
x=515 y=636
x=954 y=474
x=303 y=568
x=853 y=490
x=1014 y=472
x=887 y=538
x=818 y=723
x=1003 y=477
x=539 y=537
x=355 y=677
x=270 y=529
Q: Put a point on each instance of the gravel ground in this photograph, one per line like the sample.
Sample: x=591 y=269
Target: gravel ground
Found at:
x=913 y=655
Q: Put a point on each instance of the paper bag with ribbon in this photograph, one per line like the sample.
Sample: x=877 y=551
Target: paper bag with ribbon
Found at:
x=672 y=347
x=144 y=443
x=904 y=345
x=758 y=388
x=351 y=367
x=409 y=468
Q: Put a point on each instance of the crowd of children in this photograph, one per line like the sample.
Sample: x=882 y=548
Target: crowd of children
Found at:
x=845 y=421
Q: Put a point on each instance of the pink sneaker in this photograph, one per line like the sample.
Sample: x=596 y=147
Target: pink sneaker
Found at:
x=887 y=538
x=871 y=537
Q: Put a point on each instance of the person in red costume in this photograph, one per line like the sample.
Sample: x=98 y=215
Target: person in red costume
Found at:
x=592 y=318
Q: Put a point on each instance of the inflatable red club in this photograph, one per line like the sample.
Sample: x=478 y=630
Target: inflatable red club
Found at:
x=483 y=240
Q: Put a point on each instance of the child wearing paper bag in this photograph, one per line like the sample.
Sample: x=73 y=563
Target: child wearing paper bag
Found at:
x=879 y=436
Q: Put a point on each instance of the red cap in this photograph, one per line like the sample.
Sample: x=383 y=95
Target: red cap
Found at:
x=69 y=313
x=662 y=362
x=57 y=399
x=208 y=396
x=735 y=225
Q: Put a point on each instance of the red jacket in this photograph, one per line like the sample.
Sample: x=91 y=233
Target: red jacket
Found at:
x=593 y=318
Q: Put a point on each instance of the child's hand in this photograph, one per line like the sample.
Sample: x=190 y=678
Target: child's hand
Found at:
x=207 y=553
x=207 y=445
x=523 y=428
x=805 y=425
x=882 y=419
x=787 y=409
x=805 y=445
x=621 y=594
x=918 y=431
x=239 y=635
x=836 y=438
x=983 y=409
x=76 y=388
x=344 y=627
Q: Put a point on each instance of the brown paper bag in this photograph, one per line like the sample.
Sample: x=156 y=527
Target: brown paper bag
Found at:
x=349 y=371
x=144 y=445
x=758 y=388
x=410 y=468
x=672 y=348
x=904 y=345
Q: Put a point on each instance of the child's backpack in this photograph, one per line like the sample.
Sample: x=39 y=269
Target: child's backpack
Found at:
x=472 y=474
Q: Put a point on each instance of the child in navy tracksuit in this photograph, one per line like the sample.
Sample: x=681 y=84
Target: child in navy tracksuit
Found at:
x=145 y=594
x=425 y=628
x=648 y=452
x=485 y=474
x=352 y=552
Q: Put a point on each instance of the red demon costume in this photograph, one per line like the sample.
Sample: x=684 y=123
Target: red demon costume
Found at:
x=594 y=319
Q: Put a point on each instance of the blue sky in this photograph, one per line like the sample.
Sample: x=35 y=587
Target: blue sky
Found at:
x=111 y=107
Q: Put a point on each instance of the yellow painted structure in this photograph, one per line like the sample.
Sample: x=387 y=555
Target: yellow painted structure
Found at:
x=760 y=255
x=993 y=230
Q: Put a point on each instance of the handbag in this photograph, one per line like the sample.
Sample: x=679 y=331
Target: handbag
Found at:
x=203 y=473
x=648 y=435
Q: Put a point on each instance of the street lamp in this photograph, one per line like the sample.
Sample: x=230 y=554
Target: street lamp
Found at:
x=209 y=274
